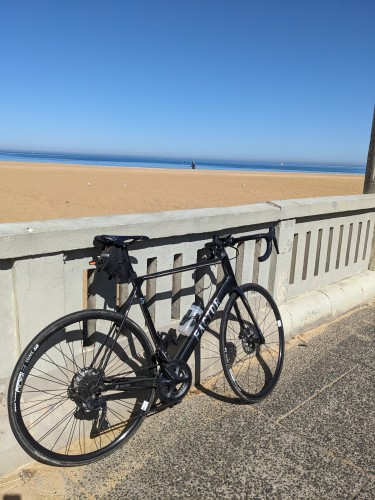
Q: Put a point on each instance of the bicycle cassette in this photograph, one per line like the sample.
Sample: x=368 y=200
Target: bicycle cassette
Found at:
x=174 y=381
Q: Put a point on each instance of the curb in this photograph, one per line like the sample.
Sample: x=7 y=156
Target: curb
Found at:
x=327 y=303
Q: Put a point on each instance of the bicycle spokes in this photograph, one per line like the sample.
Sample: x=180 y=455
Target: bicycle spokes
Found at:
x=252 y=343
x=66 y=406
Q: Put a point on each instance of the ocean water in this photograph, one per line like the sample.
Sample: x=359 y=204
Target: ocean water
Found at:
x=149 y=162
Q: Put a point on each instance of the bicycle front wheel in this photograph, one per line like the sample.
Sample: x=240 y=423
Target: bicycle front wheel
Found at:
x=251 y=343
x=60 y=410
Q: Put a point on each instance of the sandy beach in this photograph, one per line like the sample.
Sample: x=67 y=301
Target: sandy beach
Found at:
x=41 y=191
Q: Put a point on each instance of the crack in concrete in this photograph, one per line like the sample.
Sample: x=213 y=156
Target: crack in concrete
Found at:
x=273 y=204
x=316 y=393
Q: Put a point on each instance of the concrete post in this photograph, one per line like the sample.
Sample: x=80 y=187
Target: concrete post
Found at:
x=371 y=264
x=369 y=185
x=280 y=266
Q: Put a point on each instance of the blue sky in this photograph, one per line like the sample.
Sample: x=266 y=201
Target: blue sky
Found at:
x=289 y=80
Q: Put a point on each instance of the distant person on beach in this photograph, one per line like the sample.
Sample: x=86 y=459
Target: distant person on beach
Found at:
x=193 y=165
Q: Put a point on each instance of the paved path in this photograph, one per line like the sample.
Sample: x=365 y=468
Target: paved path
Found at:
x=312 y=438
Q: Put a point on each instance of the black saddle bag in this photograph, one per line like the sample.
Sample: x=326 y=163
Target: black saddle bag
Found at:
x=115 y=262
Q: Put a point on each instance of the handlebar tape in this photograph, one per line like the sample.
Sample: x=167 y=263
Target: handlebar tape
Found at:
x=268 y=251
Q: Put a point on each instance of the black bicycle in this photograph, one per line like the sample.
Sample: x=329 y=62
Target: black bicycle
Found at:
x=85 y=383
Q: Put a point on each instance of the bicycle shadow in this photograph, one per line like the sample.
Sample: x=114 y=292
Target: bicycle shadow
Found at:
x=209 y=375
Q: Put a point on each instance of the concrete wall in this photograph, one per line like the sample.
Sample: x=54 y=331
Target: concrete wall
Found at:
x=321 y=271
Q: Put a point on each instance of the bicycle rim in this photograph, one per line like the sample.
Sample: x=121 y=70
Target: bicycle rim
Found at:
x=58 y=371
x=252 y=343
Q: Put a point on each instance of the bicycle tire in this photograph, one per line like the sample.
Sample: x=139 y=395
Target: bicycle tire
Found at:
x=47 y=416
x=251 y=368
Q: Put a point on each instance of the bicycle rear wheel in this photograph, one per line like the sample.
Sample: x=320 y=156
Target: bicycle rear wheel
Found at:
x=59 y=409
x=251 y=343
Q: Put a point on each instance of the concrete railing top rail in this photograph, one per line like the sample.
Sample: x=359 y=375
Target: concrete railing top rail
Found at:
x=34 y=238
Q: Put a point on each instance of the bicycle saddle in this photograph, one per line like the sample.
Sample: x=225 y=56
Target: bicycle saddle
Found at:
x=119 y=241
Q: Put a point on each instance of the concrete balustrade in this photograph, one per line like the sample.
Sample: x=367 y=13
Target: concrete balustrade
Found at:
x=322 y=269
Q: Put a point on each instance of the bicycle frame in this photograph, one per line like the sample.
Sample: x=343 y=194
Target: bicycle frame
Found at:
x=228 y=285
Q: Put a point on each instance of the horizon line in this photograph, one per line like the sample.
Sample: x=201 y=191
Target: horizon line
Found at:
x=178 y=157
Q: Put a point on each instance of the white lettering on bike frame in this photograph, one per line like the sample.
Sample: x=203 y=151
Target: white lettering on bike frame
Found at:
x=207 y=317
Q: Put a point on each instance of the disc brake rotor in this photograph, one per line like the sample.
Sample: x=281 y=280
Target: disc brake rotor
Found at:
x=250 y=338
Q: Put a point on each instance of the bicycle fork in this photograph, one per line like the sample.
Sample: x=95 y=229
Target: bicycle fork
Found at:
x=244 y=333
